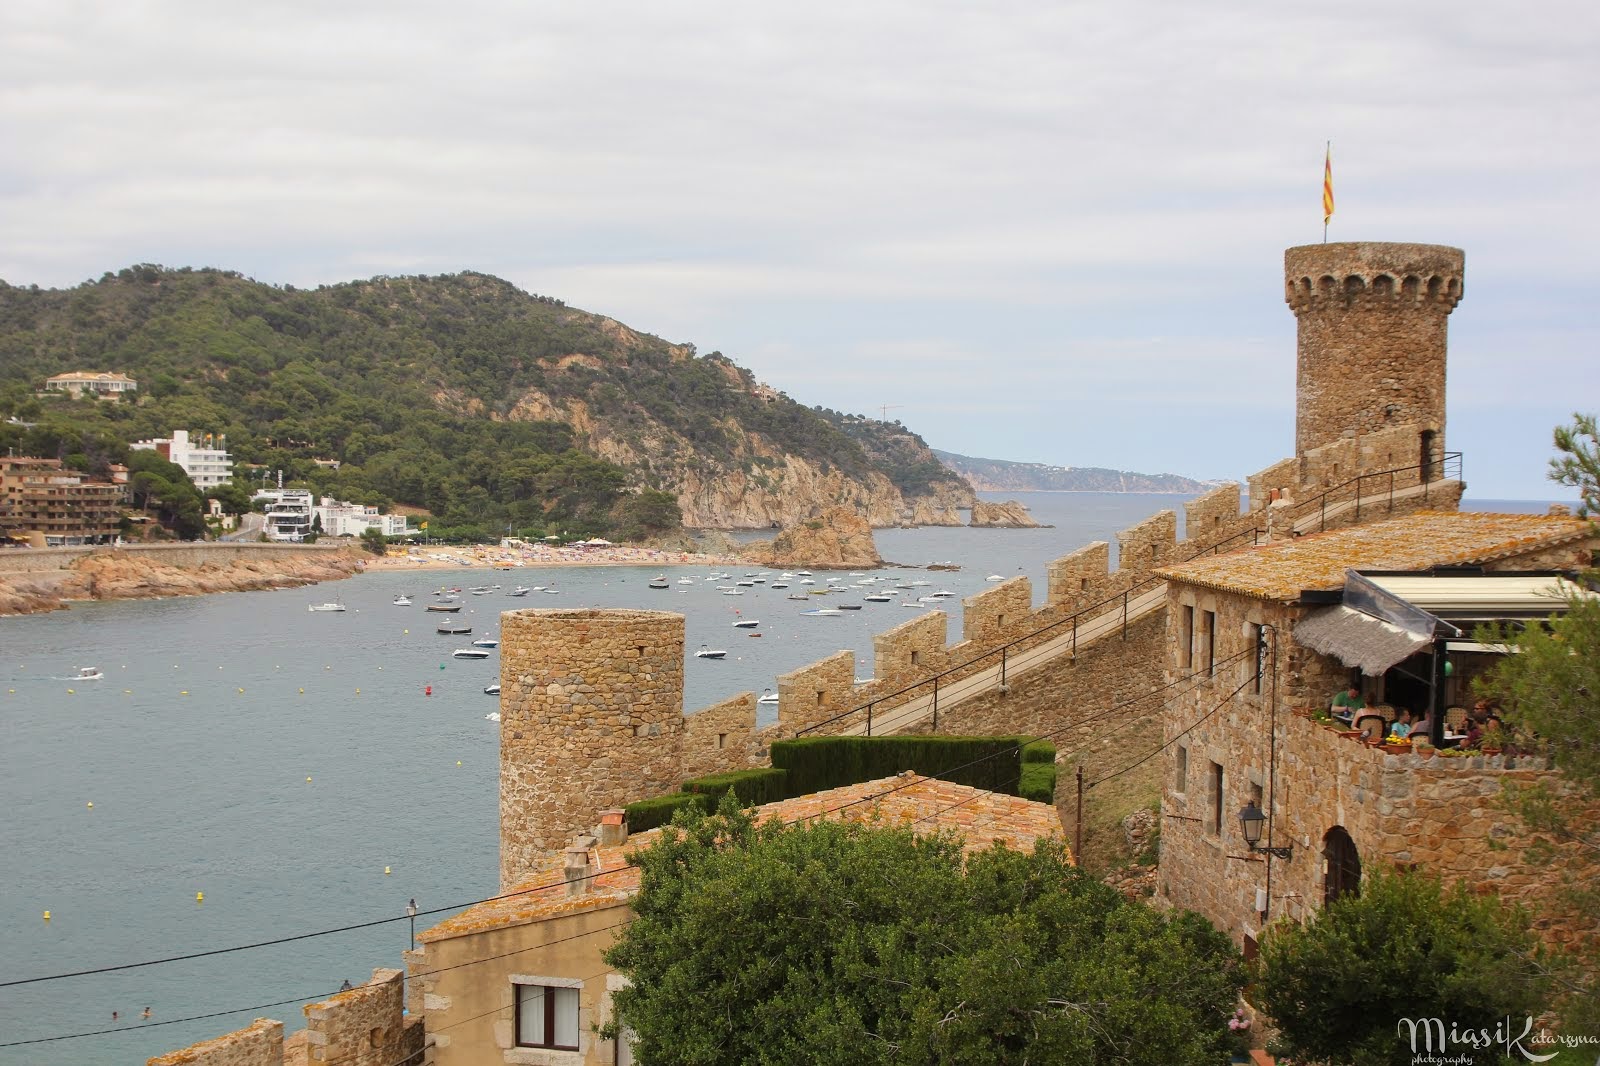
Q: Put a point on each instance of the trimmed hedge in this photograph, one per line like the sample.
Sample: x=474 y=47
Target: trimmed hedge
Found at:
x=1039 y=751
x=1038 y=782
x=751 y=787
x=819 y=763
x=649 y=813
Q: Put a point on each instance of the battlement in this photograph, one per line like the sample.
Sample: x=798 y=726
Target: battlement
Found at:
x=1424 y=276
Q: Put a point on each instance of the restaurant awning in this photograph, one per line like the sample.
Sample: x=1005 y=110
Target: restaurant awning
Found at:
x=1482 y=598
x=1369 y=644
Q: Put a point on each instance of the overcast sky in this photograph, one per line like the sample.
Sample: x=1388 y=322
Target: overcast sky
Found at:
x=1049 y=232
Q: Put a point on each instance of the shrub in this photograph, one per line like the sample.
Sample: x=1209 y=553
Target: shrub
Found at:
x=819 y=763
x=1039 y=751
x=1038 y=782
x=750 y=787
x=649 y=813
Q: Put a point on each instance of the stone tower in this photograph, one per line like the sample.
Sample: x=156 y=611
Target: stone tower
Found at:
x=1371 y=339
x=591 y=705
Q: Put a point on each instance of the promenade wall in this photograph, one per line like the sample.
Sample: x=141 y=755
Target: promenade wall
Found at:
x=185 y=554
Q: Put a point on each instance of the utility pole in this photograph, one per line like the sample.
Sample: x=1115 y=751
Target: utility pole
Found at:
x=884 y=409
x=1077 y=841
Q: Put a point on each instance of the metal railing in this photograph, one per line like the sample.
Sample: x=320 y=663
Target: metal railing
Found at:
x=1447 y=467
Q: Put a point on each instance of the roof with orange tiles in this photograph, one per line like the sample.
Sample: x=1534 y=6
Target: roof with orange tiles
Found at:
x=1416 y=542
x=909 y=800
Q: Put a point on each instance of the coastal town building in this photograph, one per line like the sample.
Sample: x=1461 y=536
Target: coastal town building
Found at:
x=79 y=382
x=341 y=519
x=45 y=505
x=1268 y=636
x=205 y=460
x=291 y=514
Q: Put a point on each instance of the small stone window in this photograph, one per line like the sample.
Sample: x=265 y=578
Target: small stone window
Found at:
x=916 y=658
x=822 y=697
x=375 y=1038
x=1083 y=585
x=1214 y=814
x=999 y=621
x=1180 y=782
x=722 y=741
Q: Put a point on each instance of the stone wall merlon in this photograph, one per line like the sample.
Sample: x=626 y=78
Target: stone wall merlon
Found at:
x=817 y=692
x=1078 y=574
x=910 y=649
x=718 y=738
x=1282 y=477
x=989 y=615
x=1149 y=543
x=260 y=1044
x=1208 y=513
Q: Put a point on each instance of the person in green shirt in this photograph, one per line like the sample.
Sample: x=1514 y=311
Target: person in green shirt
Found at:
x=1348 y=702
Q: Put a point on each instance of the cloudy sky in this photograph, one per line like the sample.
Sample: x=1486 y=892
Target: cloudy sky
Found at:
x=1038 y=231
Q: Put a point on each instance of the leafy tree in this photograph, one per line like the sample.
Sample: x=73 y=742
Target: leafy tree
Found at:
x=858 y=944
x=374 y=541
x=234 y=498
x=160 y=485
x=1579 y=463
x=1338 y=986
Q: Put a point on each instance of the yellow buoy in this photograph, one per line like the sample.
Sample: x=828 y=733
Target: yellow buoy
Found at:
x=358 y=692
x=302 y=692
x=47 y=916
x=91 y=805
x=199 y=897
x=241 y=690
x=458 y=762
x=327 y=668
x=185 y=692
x=406 y=631
x=127 y=692
x=386 y=870
x=308 y=780
x=70 y=692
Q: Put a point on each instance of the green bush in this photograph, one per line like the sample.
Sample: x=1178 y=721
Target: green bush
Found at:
x=649 y=813
x=751 y=787
x=1039 y=751
x=1038 y=782
x=819 y=763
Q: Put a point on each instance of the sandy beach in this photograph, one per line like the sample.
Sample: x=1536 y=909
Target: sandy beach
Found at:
x=444 y=558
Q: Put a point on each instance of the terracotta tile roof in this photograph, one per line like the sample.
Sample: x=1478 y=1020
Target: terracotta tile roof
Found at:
x=982 y=819
x=1416 y=542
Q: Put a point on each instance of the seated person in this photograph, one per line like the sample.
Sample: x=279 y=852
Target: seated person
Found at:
x=1402 y=725
x=1348 y=702
x=1421 y=726
x=1489 y=735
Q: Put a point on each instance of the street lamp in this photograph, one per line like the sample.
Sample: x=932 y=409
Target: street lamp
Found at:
x=1251 y=819
x=411 y=913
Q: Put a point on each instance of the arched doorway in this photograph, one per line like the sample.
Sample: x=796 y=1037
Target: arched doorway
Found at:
x=1341 y=866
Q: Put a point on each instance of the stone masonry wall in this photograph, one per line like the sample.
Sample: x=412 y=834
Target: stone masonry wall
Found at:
x=989 y=614
x=910 y=650
x=365 y=1026
x=1281 y=477
x=260 y=1044
x=817 y=692
x=720 y=737
x=1371 y=337
x=1071 y=576
x=1210 y=512
x=1148 y=544
x=591 y=711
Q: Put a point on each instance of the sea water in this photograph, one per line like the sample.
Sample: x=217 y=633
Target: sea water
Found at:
x=280 y=761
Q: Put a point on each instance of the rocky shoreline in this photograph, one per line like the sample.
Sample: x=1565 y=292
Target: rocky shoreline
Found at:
x=128 y=575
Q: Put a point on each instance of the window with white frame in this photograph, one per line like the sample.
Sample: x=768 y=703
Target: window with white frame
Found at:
x=547 y=1017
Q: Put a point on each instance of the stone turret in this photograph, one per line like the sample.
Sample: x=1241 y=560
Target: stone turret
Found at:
x=1371 y=339
x=591 y=717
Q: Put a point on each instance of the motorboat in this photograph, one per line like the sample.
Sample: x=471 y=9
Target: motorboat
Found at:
x=659 y=583
x=768 y=697
x=802 y=573
x=326 y=607
x=849 y=607
x=402 y=601
x=686 y=581
x=878 y=597
x=915 y=605
x=994 y=577
x=797 y=596
x=733 y=592
x=471 y=653
x=486 y=642
x=520 y=590
x=711 y=653
x=89 y=673
x=551 y=592
x=942 y=594
x=746 y=623
x=440 y=608
x=779 y=585
x=745 y=584
x=492 y=716
x=454 y=629
x=807 y=581
x=492 y=690
x=830 y=611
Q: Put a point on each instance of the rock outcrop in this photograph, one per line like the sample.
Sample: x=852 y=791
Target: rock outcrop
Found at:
x=838 y=539
x=128 y=575
x=1008 y=515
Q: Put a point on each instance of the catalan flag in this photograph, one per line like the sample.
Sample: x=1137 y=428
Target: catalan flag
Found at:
x=1327 y=185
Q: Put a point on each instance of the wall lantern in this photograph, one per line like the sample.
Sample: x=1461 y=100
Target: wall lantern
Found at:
x=1251 y=819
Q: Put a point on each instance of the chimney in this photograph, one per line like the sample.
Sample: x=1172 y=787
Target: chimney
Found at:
x=577 y=870
x=613 y=828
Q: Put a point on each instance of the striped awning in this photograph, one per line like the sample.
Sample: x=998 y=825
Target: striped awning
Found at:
x=1369 y=644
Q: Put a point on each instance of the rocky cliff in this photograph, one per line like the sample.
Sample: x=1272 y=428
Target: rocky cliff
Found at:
x=838 y=539
x=127 y=575
x=1008 y=515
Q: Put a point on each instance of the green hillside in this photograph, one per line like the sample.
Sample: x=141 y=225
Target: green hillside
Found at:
x=459 y=394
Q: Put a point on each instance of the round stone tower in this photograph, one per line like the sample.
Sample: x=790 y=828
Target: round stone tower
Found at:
x=591 y=717
x=1372 y=339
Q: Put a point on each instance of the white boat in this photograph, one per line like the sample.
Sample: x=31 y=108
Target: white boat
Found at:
x=746 y=623
x=454 y=629
x=768 y=697
x=89 y=673
x=520 y=590
x=551 y=592
x=807 y=581
x=326 y=607
x=994 y=577
x=492 y=690
x=779 y=585
x=878 y=597
x=745 y=584
x=917 y=605
x=686 y=581
x=437 y=608
x=802 y=573
x=797 y=596
x=710 y=653
x=402 y=601
x=733 y=592
x=486 y=642
x=471 y=653
x=492 y=716
x=942 y=594
x=824 y=611
x=659 y=583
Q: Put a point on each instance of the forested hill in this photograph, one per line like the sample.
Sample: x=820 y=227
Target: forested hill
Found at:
x=1000 y=475
x=460 y=394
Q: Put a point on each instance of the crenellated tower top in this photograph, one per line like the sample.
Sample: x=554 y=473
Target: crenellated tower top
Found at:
x=1372 y=339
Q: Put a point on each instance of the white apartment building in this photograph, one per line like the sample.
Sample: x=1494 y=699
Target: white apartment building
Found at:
x=340 y=519
x=206 y=462
x=289 y=514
